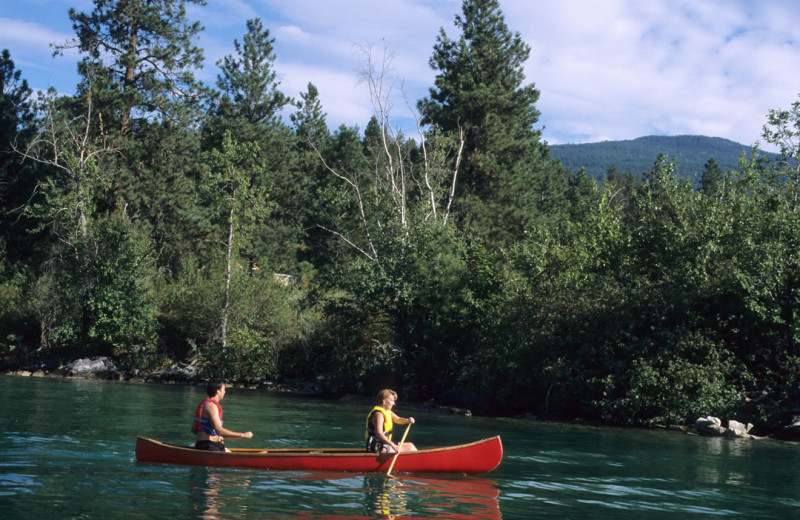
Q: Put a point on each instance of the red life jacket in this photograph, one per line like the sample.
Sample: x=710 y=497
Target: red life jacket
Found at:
x=201 y=423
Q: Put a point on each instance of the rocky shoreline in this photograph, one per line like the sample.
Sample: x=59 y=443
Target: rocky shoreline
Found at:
x=104 y=368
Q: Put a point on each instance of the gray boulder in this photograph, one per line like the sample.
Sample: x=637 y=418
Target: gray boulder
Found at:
x=99 y=367
x=739 y=430
x=710 y=425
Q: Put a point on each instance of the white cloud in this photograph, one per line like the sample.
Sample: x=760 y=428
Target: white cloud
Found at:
x=615 y=69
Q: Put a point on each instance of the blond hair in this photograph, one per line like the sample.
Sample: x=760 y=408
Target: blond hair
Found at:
x=385 y=394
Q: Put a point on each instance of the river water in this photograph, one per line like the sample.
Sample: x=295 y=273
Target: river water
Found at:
x=68 y=452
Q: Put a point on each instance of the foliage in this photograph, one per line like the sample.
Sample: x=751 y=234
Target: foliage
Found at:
x=247 y=81
x=97 y=296
x=507 y=180
x=230 y=187
x=465 y=265
x=139 y=57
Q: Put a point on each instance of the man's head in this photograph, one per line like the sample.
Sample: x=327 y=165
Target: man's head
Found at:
x=213 y=386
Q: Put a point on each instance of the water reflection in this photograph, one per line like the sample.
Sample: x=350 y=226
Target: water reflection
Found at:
x=725 y=462
x=213 y=493
x=384 y=497
x=412 y=496
x=219 y=494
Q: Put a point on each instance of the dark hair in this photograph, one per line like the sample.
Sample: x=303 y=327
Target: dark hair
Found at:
x=213 y=386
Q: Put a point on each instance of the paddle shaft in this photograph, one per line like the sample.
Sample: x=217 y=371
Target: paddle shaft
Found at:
x=399 y=446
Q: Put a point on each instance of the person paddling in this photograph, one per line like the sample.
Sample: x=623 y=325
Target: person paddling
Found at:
x=207 y=424
x=381 y=421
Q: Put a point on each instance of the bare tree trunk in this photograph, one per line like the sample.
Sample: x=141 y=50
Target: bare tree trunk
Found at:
x=227 y=296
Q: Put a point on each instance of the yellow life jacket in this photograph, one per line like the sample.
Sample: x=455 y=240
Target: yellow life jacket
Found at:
x=387 y=423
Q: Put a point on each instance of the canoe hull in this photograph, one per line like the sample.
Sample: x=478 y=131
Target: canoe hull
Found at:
x=476 y=457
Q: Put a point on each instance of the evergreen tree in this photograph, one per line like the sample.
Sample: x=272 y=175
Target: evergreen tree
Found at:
x=138 y=63
x=140 y=54
x=507 y=176
x=309 y=120
x=711 y=178
x=248 y=81
x=249 y=108
x=17 y=180
x=314 y=192
x=19 y=250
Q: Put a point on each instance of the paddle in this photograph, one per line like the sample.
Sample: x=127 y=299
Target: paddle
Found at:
x=389 y=473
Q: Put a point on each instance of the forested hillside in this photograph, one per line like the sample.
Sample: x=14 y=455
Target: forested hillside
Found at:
x=160 y=221
x=689 y=152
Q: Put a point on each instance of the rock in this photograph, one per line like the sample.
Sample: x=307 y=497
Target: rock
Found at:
x=739 y=430
x=99 y=367
x=177 y=373
x=710 y=425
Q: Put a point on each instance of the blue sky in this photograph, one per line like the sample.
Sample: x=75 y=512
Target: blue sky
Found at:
x=606 y=69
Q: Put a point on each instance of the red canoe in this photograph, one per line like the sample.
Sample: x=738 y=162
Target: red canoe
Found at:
x=476 y=457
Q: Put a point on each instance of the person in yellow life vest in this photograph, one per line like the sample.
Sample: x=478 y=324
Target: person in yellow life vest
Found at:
x=207 y=424
x=380 y=423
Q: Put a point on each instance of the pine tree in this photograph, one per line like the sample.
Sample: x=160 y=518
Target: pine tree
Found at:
x=249 y=108
x=248 y=81
x=141 y=53
x=17 y=180
x=309 y=120
x=138 y=63
x=507 y=176
x=313 y=192
x=711 y=178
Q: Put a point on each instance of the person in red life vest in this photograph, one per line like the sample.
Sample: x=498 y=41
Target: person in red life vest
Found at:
x=380 y=423
x=207 y=424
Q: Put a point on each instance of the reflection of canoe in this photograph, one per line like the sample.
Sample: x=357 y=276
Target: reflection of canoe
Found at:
x=475 y=457
x=357 y=496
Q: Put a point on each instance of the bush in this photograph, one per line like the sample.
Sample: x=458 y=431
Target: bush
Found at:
x=689 y=376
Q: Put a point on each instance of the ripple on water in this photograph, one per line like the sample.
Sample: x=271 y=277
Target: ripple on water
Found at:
x=16 y=483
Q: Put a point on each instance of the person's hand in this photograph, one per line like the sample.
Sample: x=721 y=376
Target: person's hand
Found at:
x=411 y=420
x=247 y=435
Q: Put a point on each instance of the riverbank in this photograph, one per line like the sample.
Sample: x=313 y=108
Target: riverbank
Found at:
x=104 y=368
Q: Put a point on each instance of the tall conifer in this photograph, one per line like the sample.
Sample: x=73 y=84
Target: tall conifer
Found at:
x=507 y=177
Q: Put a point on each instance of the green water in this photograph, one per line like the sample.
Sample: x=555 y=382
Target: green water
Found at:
x=67 y=452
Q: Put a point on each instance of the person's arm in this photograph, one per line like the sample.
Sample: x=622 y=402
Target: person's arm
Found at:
x=399 y=420
x=213 y=414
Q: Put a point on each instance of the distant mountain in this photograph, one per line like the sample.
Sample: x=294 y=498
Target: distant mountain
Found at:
x=690 y=153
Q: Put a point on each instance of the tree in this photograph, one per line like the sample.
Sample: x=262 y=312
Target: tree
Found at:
x=313 y=188
x=17 y=180
x=243 y=204
x=309 y=120
x=507 y=173
x=394 y=295
x=249 y=108
x=248 y=81
x=20 y=250
x=141 y=54
x=783 y=130
x=138 y=60
x=66 y=145
x=711 y=178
